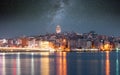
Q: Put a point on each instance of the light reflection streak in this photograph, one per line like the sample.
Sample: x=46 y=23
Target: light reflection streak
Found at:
x=4 y=68
x=44 y=64
x=18 y=64
x=102 y=62
x=64 y=64
x=117 y=65
x=107 y=62
x=1 y=65
x=32 y=64
x=14 y=66
x=61 y=63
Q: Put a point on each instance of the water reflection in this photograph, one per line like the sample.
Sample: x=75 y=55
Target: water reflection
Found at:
x=117 y=64
x=18 y=64
x=14 y=65
x=32 y=64
x=59 y=63
x=107 y=63
x=44 y=64
x=3 y=64
x=102 y=64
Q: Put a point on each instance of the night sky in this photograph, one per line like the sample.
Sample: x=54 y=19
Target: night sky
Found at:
x=35 y=17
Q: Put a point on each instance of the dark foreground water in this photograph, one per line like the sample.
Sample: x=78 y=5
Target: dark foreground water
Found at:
x=60 y=63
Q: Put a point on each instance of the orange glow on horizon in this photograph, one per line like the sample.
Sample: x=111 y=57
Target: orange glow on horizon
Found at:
x=106 y=47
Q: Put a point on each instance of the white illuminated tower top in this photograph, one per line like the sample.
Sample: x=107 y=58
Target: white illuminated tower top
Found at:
x=58 y=29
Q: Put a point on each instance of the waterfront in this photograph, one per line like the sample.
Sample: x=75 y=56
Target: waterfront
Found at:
x=60 y=63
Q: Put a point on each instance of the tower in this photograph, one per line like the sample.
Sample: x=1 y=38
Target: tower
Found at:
x=58 y=29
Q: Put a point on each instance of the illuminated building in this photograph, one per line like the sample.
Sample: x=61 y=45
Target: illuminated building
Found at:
x=24 y=41
x=64 y=41
x=89 y=44
x=106 y=47
x=44 y=45
x=31 y=42
x=58 y=29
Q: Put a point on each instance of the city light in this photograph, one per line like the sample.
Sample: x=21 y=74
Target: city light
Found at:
x=62 y=41
x=106 y=47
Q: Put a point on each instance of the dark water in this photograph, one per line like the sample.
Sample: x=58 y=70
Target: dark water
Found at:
x=60 y=63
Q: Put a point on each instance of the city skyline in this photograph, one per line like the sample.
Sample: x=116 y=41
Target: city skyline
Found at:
x=33 y=17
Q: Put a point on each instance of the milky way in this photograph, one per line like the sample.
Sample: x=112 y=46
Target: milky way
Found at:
x=58 y=12
x=34 y=17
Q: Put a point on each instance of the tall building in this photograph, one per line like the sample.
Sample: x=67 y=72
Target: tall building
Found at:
x=58 y=29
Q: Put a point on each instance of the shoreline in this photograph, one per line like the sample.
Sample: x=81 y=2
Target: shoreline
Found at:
x=14 y=49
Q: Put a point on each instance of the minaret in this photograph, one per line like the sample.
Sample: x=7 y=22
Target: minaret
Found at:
x=58 y=29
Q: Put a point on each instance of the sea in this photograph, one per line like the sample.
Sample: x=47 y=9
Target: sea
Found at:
x=60 y=63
